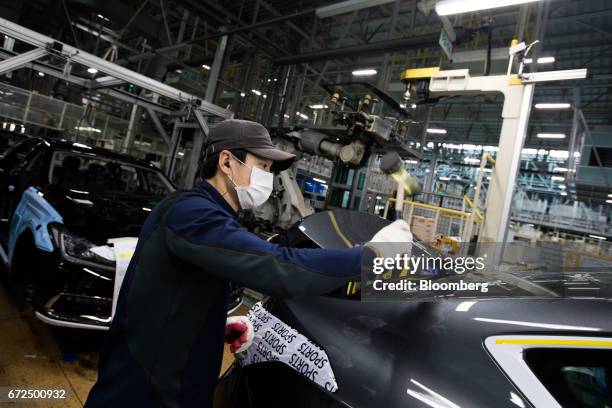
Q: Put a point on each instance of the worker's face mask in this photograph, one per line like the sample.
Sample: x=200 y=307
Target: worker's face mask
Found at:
x=259 y=189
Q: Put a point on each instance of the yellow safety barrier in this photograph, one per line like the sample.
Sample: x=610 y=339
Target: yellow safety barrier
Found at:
x=435 y=221
x=471 y=205
x=431 y=207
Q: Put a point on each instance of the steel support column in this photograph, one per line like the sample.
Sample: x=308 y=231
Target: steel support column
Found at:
x=515 y=116
x=215 y=70
x=201 y=135
x=174 y=142
x=199 y=138
x=158 y=126
x=131 y=131
x=431 y=175
x=501 y=188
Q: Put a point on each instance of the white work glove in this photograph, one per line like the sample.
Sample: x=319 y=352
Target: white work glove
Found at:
x=239 y=333
x=392 y=240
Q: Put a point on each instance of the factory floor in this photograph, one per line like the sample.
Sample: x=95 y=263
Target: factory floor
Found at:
x=36 y=356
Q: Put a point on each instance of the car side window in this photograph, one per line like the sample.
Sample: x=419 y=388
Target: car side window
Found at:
x=34 y=163
x=17 y=154
x=575 y=377
x=156 y=184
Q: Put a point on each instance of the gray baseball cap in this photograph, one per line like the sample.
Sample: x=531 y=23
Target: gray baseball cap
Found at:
x=250 y=136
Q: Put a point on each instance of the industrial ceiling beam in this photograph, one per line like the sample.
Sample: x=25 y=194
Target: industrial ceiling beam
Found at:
x=221 y=14
x=74 y=54
x=88 y=84
x=375 y=48
x=106 y=82
x=254 y=26
x=348 y=6
x=20 y=60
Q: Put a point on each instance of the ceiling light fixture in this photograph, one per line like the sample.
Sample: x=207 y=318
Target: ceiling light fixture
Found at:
x=541 y=60
x=365 y=72
x=546 y=60
x=551 y=135
x=552 y=105
x=437 y=131
x=92 y=70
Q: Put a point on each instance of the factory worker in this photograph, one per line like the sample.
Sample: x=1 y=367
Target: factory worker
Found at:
x=165 y=344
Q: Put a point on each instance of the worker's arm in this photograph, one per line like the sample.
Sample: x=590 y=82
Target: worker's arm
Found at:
x=208 y=238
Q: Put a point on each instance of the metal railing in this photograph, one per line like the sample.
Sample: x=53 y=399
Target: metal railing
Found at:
x=429 y=221
x=441 y=200
x=556 y=221
x=71 y=122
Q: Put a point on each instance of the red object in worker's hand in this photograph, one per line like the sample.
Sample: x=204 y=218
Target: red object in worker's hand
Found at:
x=235 y=335
x=238 y=333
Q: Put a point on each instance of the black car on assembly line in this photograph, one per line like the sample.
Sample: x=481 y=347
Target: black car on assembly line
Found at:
x=59 y=200
x=532 y=343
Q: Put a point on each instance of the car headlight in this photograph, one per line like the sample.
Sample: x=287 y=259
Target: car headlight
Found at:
x=78 y=250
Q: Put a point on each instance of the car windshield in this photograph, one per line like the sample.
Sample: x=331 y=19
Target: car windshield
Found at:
x=100 y=174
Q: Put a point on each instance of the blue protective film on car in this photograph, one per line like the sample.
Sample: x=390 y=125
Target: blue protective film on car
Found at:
x=33 y=213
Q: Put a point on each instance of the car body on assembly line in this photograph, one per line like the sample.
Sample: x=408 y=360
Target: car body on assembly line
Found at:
x=59 y=200
x=337 y=351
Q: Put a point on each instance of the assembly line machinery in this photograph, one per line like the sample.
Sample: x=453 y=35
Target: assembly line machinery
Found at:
x=192 y=108
x=364 y=130
x=358 y=129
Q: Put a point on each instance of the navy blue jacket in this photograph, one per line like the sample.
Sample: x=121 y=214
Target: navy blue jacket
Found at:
x=165 y=344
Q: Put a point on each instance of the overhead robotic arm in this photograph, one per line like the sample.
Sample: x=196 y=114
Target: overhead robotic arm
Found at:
x=320 y=144
x=356 y=128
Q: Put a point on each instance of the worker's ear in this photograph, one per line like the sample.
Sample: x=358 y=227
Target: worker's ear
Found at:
x=225 y=162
